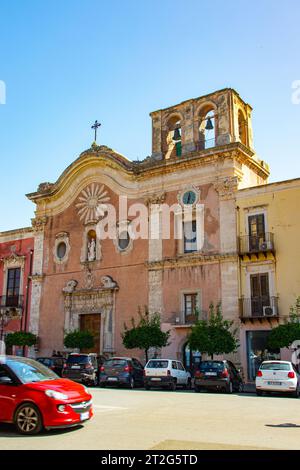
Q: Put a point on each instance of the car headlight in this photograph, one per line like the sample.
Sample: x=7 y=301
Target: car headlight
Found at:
x=56 y=395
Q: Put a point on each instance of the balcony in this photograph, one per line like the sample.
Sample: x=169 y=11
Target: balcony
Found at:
x=259 y=308
x=252 y=244
x=14 y=301
x=183 y=320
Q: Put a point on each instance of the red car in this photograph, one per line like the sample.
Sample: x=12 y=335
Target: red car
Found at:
x=34 y=397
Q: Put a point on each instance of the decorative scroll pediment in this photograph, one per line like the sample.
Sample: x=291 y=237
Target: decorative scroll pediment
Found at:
x=13 y=261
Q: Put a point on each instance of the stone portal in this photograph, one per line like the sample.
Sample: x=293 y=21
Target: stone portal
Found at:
x=92 y=308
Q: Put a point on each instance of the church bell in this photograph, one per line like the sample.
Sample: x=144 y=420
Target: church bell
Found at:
x=176 y=135
x=209 y=125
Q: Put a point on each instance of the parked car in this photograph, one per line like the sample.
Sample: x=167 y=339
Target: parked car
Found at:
x=82 y=368
x=54 y=363
x=121 y=371
x=218 y=375
x=34 y=397
x=277 y=376
x=166 y=373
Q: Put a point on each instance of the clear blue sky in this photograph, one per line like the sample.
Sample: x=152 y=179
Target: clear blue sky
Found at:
x=66 y=63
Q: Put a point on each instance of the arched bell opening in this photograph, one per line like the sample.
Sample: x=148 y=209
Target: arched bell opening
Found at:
x=243 y=130
x=173 y=138
x=207 y=127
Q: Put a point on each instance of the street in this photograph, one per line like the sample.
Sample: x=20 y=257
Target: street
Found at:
x=138 y=419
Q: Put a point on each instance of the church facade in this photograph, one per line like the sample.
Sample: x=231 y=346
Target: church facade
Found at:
x=202 y=156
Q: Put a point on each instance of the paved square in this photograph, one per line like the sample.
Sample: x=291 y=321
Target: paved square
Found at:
x=138 y=419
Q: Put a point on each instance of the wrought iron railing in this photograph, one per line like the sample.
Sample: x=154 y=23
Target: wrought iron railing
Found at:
x=256 y=243
x=12 y=301
x=259 y=307
x=182 y=318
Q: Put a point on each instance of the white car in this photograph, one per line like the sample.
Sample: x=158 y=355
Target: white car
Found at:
x=168 y=373
x=277 y=376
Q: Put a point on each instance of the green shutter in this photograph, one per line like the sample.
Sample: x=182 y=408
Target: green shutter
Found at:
x=178 y=149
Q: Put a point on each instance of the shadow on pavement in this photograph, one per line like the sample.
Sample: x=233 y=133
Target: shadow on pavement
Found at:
x=8 y=430
x=284 y=425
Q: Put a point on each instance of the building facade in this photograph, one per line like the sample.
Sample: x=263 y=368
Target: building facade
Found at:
x=202 y=156
x=16 y=258
x=268 y=225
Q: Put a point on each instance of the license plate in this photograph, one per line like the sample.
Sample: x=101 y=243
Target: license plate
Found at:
x=211 y=374
x=112 y=379
x=274 y=383
x=156 y=379
x=75 y=367
x=84 y=416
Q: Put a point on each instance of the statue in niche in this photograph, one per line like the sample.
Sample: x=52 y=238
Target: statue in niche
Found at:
x=92 y=250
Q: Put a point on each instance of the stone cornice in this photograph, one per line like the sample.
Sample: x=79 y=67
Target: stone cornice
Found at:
x=98 y=156
x=102 y=156
x=203 y=98
x=190 y=260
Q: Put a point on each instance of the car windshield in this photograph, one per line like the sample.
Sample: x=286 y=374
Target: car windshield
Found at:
x=77 y=359
x=275 y=366
x=45 y=360
x=211 y=365
x=157 y=364
x=28 y=370
x=115 y=363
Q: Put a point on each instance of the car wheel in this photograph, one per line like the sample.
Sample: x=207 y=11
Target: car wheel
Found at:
x=229 y=388
x=132 y=383
x=94 y=382
x=28 y=419
x=147 y=387
x=296 y=393
x=259 y=393
x=173 y=386
x=189 y=384
x=197 y=389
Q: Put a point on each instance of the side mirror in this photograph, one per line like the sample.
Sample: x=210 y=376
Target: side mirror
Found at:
x=5 y=380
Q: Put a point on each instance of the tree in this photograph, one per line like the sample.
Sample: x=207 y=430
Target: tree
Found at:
x=20 y=338
x=213 y=336
x=146 y=334
x=79 y=340
x=282 y=336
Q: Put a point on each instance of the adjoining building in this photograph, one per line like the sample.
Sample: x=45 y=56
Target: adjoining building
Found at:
x=268 y=225
x=16 y=259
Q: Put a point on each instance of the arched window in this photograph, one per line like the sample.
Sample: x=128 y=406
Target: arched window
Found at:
x=242 y=128
x=207 y=128
x=173 y=140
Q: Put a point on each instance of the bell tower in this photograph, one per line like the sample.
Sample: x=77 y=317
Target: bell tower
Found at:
x=201 y=124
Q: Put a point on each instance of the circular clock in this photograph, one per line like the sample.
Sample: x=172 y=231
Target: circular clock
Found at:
x=189 y=197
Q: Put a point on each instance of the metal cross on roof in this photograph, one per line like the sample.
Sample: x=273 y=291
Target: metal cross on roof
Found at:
x=95 y=127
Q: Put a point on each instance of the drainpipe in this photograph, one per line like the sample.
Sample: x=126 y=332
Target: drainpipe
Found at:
x=24 y=326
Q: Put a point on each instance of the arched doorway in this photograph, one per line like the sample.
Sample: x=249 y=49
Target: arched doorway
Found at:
x=190 y=358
